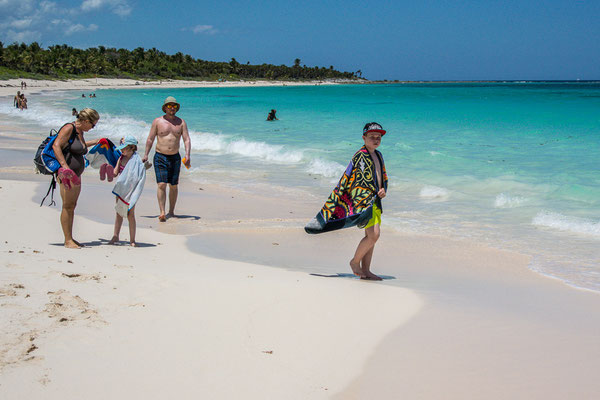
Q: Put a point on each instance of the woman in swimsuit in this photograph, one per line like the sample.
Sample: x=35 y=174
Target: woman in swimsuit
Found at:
x=72 y=165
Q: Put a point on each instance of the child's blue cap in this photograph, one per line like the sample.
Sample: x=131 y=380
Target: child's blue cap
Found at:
x=128 y=141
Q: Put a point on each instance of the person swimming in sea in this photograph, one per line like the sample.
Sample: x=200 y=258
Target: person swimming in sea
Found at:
x=271 y=116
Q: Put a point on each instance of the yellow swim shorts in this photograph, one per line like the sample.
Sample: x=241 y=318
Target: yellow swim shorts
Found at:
x=376 y=218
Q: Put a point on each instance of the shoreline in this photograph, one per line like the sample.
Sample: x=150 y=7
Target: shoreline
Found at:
x=452 y=323
x=11 y=86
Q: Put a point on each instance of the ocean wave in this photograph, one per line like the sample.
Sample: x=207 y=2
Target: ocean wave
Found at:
x=37 y=114
x=567 y=224
x=329 y=169
x=506 y=201
x=434 y=193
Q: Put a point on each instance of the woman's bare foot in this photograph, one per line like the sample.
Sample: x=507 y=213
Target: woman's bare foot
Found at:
x=71 y=244
x=162 y=218
x=133 y=244
x=356 y=269
x=114 y=240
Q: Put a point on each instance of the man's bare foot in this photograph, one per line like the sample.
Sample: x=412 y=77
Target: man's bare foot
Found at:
x=356 y=269
x=371 y=276
x=133 y=244
x=114 y=240
x=171 y=215
x=162 y=218
x=71 y=244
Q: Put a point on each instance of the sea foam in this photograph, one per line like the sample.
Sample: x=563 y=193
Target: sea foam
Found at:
x=434 y=193
x=506 y=201
x=567 y=224
x=329 y=169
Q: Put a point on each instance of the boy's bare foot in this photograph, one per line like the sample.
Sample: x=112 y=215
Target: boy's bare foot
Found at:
x=371 y=276
x=133 y=244
x=356 y=269
x=162 y=218
x=114 y=240
x=72 y=245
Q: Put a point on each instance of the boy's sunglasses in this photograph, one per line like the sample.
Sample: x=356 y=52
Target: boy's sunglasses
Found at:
x=171 y=106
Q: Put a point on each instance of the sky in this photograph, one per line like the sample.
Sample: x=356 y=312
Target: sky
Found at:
x=404 y=40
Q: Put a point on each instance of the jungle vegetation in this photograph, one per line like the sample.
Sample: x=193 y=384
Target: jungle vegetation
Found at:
x=63 y=61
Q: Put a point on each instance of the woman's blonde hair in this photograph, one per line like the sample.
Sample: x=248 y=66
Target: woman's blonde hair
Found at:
x=88 y=114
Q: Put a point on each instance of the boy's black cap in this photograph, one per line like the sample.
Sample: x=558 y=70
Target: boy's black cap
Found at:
x=373 y=127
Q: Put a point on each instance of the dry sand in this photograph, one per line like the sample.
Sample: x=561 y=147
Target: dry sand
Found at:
x=157 y=321
x=198 y=312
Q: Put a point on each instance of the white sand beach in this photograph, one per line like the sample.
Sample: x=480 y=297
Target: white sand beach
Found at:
x=212 y=306
x=11 y=86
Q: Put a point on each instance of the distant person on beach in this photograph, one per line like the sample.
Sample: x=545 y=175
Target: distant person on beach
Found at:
x=74 y=112
x=129 y=186
x=271 y=116
x=69 y=148
x=17 y=99
x=23 y=102
x=356 y=201
x=168 y=131
x=82 y=94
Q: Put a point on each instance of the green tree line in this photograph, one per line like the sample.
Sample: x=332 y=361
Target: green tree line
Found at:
x=65 y=61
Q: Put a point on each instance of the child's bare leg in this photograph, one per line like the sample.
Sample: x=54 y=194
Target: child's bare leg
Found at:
x=364 y=253
x=366 y=260
x=118 y=223
x=363 y=248
x=131 y=220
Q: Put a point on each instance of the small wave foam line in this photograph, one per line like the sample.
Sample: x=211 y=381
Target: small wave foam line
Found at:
x=434 y=193
x=536 y=266
x=565 y=223
x=506 y=201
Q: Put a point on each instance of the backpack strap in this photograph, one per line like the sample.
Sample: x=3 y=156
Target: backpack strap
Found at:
x=51 y=188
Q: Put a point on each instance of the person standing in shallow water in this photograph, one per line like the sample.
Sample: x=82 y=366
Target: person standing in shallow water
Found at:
x=168 y=131
x=271 y=116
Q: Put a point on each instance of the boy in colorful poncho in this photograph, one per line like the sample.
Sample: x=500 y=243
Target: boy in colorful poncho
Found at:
x=356 y=200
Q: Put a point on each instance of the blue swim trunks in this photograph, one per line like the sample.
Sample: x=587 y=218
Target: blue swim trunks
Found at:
x=166 y=168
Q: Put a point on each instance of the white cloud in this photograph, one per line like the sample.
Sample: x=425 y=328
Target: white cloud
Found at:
x=16 y=7
x=204 y=29
x=119 y=7
x=28 y=20
x=80 y=28
x=20 y=23
x=23 y=36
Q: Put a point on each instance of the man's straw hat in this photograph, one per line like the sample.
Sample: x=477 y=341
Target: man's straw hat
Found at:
x=170 y=100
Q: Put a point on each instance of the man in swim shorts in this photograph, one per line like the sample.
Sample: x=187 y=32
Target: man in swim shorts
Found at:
x=168 y=131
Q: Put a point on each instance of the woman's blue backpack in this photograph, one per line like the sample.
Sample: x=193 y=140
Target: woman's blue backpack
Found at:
x=45 y=161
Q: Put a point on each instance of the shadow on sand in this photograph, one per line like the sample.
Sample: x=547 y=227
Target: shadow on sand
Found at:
x=178 y=216
x=351 y=276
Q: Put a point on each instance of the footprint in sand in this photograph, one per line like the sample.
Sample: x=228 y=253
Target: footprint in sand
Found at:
x=65 y=307
x=82 y=277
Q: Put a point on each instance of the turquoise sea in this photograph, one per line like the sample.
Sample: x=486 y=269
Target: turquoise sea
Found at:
x=514 y=165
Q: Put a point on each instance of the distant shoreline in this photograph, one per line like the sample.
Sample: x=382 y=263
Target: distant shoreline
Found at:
x=11 y=86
